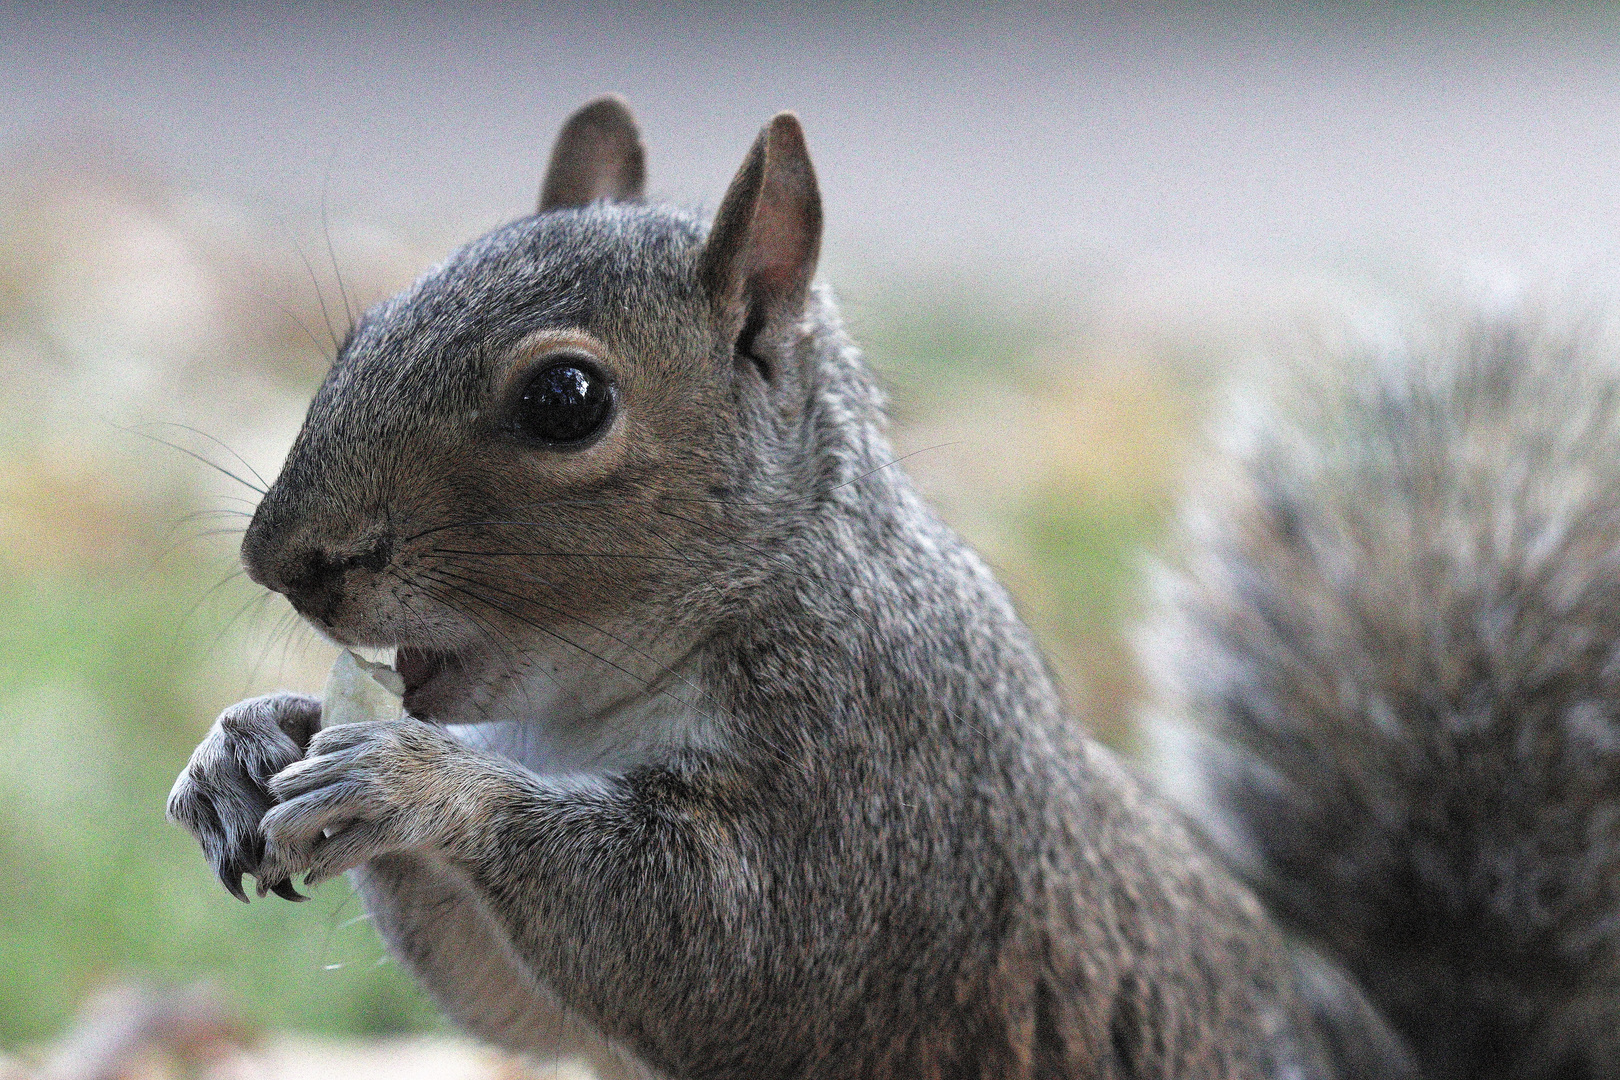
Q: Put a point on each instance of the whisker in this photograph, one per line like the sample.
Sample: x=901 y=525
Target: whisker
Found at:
x=281 y=635
x=189 y=453
x=254 y=285
x=458 y=585
x=181 y=623
x=222 y=511
x=326 y=229
x=478 y=583
x=679 y=557
x=510 y=648
x=664 y=671
x=559 y=554
x=549 y=632
x=577 y=501
x=240 y=611
x=753 y=734
x=853 y=610
x=210 y=591
x=816 y=497
x=320 y=297
x=320 y=347
x=510 y=651
x=217 y=442
x=200 y=536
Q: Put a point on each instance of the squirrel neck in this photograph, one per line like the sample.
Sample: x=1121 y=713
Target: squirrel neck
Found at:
x=872 y=612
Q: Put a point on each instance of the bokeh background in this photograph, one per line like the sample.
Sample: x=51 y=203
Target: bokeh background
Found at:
x=1055 y=228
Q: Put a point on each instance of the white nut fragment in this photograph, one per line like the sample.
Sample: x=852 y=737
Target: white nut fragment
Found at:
x=359 y=690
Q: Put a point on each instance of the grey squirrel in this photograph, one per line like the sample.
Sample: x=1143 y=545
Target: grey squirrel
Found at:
x=739 y=763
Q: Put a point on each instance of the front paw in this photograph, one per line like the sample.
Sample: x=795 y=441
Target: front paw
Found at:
x=221 y=794
x=364 y=790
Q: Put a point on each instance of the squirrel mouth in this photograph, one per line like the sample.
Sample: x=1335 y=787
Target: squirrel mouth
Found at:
x=418 y=667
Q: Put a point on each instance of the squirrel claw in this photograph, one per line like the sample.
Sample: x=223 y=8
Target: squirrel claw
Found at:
x=232 y=880
x=284 y=889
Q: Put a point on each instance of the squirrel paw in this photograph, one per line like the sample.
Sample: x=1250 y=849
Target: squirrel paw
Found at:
x=222 y=794
x=362 y=790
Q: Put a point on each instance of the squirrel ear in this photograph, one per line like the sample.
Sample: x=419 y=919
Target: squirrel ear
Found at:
x=598 y=156
x=761 y=252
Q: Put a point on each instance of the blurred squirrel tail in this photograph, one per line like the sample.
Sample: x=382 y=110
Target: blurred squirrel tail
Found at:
x=1389 y=664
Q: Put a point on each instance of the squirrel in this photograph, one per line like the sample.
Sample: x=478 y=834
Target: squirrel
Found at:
x=725 y=757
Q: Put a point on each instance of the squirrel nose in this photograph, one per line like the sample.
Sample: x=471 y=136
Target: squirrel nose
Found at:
x=316 y=570
x=312 y=578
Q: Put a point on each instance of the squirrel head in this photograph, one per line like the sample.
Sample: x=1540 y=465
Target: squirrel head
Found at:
x=580 y=423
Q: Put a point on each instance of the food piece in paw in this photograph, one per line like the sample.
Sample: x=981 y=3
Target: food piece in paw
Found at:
x=358 y=690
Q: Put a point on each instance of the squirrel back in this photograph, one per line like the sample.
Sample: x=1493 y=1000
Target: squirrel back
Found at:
x=1390 y=674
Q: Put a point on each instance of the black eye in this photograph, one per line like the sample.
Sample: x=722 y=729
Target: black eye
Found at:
x=565 y=403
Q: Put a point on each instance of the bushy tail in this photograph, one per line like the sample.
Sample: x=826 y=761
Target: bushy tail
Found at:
x=1390 y=673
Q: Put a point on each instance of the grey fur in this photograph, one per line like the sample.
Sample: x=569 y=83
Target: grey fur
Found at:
x=751 y=769
x=1396 y=634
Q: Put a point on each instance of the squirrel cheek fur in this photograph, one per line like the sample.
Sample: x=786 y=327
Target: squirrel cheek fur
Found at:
x=743 y=764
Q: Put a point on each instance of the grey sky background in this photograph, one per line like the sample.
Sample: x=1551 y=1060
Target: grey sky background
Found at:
x=999 y=140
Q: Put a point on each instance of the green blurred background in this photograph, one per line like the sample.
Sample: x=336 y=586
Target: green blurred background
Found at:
x=1053 y=228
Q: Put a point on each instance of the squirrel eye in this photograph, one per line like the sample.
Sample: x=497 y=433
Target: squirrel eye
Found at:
x=565 y=403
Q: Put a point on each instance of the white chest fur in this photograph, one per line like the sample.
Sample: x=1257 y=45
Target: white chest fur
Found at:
x=558 y=716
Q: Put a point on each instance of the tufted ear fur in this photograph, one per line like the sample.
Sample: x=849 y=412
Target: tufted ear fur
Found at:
x=598 y=156
x=761 y=252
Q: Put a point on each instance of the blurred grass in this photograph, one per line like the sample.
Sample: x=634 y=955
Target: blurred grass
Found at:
x=124 y=301
x=1050 y=440
x=100 y=703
